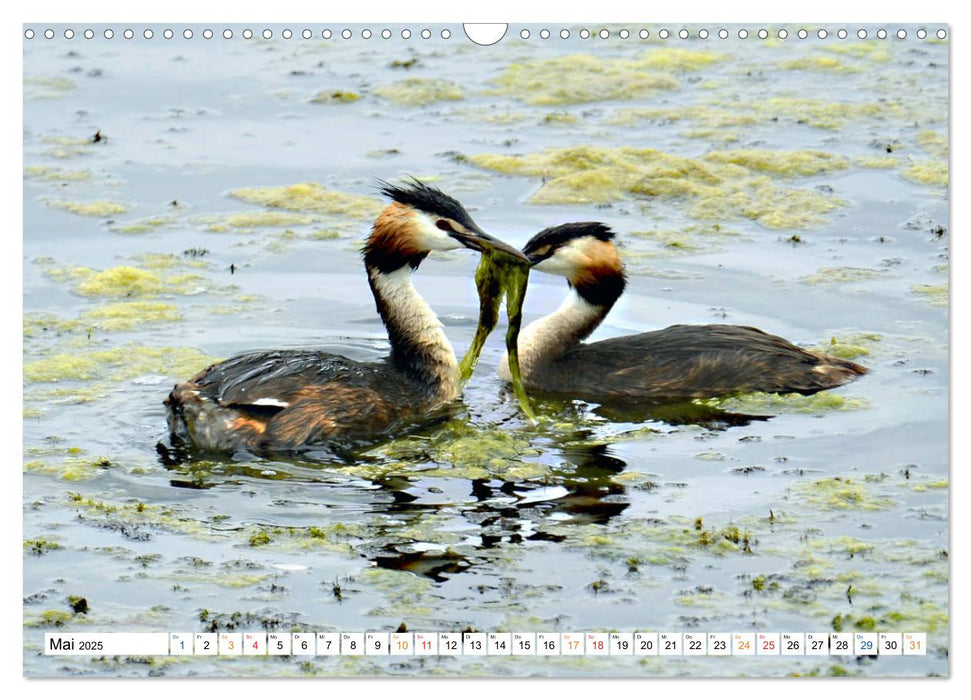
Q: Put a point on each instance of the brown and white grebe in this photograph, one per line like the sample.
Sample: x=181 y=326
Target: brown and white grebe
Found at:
x=289 y=400
x=674 y=364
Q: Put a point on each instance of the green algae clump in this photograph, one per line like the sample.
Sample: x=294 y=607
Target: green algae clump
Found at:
x=718 y=186
x=66 y=146
x=42 y=87
x=839 y=493
x=39 y=546
x=870 y=50
x=415 y=92
x=716 y=117
x=144 y=225
x=762 y=403
x=311 y=196
x=703 y=238
x=876 y=162
x=792 y=163
x=934 y=143
x=124 y=281
x=50 y=618
x=246 y=222
x=822 y=115
x=819 y=64
x=55 y=174
x=457 y=449
x=333 y=97
x=928 y=172
x=842 y=275
x=117 y=364
x=123 y=316
x=71 y=468
x=101 y=207
x=579 y=78
x=933 y=294
x=848 y=347
x=679 y=60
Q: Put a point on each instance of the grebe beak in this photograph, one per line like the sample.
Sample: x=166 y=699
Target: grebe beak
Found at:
x=481 y=241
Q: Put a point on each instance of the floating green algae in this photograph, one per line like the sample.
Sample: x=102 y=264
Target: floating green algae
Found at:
x=712 y=135
x=38 y=546
x=580 y=78
x=46 y=86
x=457 y=449
x=123 y=316
x=407 y=595
x=490 y=115
x=51 y=173
x=71 y=468
x=311 y=196
x=790 y=163
x=247 y=222
x=415 y=92
x=689 y=239
x=167 y=261
x=724 y=114
x=100 y=208
x=50 y=618
x=849 y=346
x=819 y=64
x=66 y=146
x=34 y=324
x=718 y=186
x=117 y=364
x=335 y=97
x=870 y=50
x=933 y=294
x=323 y=235
x=876 y=162
x=135 y=514
x=144 y=225
x=125 y=281
x=928 y=172
x=934 y=143
x=564 y=118
x=842 y=275
x=679 y=60
x=823 y=115
x=762 y=403
x=921 y=487
x=840 y=493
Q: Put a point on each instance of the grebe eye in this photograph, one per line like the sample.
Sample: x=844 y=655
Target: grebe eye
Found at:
x=444 y=225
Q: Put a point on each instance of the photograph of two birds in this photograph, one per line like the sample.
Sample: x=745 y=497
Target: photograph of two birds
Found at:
x=290 y=400
x=601 y=327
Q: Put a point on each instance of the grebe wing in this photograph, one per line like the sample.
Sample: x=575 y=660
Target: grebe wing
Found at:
x=273 y=379
x=690 y=361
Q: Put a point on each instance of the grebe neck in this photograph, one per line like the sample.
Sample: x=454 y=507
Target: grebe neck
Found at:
x=419 y=345
x=546 y=340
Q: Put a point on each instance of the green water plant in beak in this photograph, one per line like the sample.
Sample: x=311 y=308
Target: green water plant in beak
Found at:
x=501 y=273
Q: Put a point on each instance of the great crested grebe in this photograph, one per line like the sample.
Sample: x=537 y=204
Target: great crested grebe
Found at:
x=285 y=400
x=674 y=364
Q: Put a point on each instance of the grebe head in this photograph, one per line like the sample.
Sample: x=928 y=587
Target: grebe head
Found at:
x=421 y=219
x=585 y=254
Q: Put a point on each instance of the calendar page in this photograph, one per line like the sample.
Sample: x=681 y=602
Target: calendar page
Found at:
x=706 y=434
